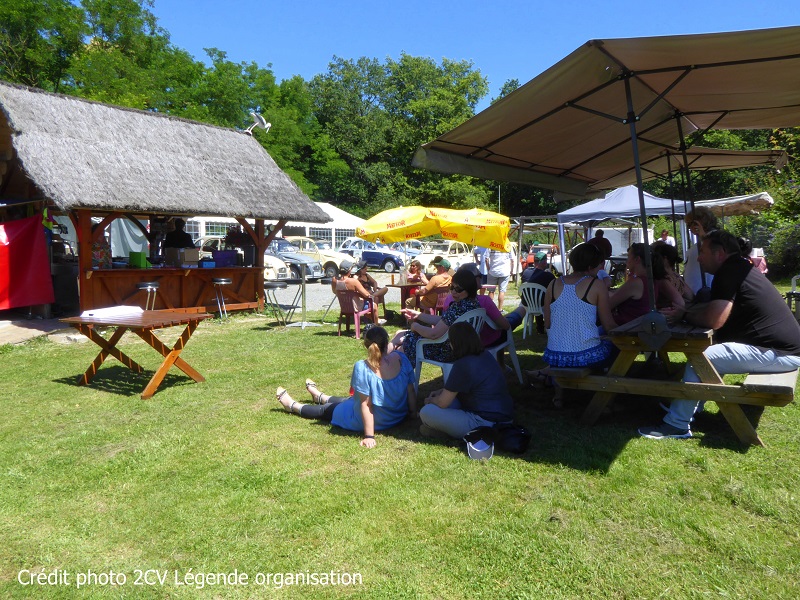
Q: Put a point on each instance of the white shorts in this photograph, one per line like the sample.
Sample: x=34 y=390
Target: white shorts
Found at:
x=500 y=282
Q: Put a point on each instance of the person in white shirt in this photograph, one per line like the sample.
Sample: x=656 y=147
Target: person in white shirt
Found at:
x=667 y=238
x=499 y=265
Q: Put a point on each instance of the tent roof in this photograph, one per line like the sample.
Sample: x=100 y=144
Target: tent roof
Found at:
x=570 y=127
x=340 y=219
x=622 y=203
x=83 y=154
x=738 y=205
x=698 y=158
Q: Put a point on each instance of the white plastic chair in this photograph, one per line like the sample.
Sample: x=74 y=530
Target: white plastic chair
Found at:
x=533 y=298
x=475 y=317
x=511 y=349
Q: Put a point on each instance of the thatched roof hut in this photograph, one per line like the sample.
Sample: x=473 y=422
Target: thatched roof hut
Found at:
x=81 y=154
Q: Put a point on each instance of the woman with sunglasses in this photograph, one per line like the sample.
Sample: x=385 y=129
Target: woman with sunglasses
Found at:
x=383 y=396
x=415 y=274
x=464 y=289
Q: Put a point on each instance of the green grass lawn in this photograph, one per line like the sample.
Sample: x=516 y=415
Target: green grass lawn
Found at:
x=216 y=477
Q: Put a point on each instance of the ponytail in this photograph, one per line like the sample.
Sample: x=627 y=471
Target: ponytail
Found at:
x=376 y=341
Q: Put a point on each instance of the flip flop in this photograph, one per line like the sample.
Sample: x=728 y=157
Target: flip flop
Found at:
x=310 y=383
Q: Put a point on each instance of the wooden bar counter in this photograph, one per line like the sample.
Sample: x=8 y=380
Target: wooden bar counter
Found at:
x=179 y=288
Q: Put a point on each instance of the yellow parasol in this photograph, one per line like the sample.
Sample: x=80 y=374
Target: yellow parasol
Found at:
x=398 y=225
x=474 y=226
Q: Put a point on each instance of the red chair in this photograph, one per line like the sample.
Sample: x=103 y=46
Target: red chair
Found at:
x=351 y=304
x=441 y=295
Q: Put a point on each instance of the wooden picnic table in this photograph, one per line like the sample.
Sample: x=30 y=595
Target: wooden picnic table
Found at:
x=142 y=324
x=690 y=341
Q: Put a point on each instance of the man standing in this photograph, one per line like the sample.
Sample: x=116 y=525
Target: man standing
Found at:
x=427 y=296
x=601 y=242
x=479 y=254
x=178 y=238
x=667 y=238
x=755 y=332
x=499 y=265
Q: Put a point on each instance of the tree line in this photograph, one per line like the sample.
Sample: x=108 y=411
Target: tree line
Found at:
x=346 y=136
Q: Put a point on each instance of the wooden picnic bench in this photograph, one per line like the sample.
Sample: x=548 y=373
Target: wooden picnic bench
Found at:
x=763 y=389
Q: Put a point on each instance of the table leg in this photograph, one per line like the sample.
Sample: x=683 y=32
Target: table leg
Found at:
x=108 y=348
x=733 y=413
x=601 y=399
x=171 y=357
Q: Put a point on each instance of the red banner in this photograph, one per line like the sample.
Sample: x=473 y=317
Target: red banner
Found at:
x=24 y=264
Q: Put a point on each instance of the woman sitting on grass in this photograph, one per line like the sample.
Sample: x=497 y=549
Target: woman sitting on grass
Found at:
x=475 y=393
x=464 y=289
x=384 y=393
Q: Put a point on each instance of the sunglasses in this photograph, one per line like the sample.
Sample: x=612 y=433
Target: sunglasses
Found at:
x=456 y=289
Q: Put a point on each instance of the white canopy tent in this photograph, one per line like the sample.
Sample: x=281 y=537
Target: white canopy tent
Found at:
x=623 y=203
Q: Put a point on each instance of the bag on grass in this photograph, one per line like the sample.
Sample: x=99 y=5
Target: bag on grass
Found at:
x=513 y=438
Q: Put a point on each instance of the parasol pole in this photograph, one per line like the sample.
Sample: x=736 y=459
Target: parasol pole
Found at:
x=631 y=121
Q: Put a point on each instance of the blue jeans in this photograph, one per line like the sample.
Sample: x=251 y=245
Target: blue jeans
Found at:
x=727 y=358
x=452 y=420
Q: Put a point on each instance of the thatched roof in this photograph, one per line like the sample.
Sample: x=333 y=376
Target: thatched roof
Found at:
x=83 y=154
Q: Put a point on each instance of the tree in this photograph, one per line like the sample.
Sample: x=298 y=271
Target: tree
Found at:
x=38 y=39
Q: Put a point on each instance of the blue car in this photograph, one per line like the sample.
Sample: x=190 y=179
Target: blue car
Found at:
x=377 y=255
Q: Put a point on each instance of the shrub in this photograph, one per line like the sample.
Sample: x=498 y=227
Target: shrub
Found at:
x=782 y=254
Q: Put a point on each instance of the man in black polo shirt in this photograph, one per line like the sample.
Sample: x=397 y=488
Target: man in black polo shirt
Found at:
x=755 y=332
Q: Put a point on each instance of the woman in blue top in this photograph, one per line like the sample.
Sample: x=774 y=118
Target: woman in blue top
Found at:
x=384 y=392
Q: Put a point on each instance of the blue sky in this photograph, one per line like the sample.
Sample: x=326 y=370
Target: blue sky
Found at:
x=504 y=39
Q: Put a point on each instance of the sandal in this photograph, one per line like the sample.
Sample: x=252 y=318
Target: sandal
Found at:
x=279 y=394
x=309 y=384
x=538 y=379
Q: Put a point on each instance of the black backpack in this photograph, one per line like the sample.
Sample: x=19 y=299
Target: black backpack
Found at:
x=510 y=437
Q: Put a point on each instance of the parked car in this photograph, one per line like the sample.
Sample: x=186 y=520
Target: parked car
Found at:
x=376 y=255
x=294 y=260
x=411 y=248
x=329 y=259
x=457 y=253
x=274 y=267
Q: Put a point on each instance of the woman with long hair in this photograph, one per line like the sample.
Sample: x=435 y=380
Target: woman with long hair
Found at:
x=632 y=299
x=383 y=396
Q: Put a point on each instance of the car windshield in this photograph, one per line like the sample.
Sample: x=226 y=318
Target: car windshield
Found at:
x=284 y=246
x=436 y=248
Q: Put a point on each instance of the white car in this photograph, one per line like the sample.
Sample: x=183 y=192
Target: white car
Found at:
x=329 y=259
x=457 y=253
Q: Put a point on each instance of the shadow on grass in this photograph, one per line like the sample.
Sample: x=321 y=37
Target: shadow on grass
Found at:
x=122 y=381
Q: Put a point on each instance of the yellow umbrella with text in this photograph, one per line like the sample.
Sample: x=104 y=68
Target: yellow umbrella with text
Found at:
x=474 y=226
x=399 y=224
